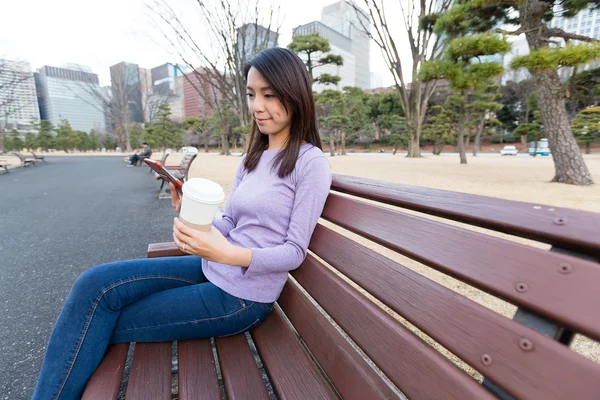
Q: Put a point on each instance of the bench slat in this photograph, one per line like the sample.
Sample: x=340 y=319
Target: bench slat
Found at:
x=105 y=383
x=241 y=375
x=522 y=275
x=577 y=231
x=464 y=327
x=416 y=369
x=347 y=370
x=150 y=376
x=197 y=371
x=292 y=372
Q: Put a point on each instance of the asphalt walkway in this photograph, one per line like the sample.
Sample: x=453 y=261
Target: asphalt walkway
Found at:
x=57 y=220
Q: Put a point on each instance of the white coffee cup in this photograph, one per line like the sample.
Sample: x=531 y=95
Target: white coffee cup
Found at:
x=200 y=202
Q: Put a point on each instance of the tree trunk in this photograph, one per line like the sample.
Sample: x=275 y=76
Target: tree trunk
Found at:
x=460 y=130
x=569 y=165
x=343 y=144
x=523 y=142
x=331 y=144
x=225 y=144
x=1 y=140
x=588 y=147
x=395 y=149
x=206 y=141
x=477 y=146
x=535 y=148
x=414 y=133
x=568 y=162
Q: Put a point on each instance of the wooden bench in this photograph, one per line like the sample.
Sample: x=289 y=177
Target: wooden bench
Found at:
x=181 y=171
x=4 y=164
x=556 y=291
x=25 y=160
x=38 y=157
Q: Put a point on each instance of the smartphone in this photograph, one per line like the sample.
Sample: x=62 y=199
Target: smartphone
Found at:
x=165 y=173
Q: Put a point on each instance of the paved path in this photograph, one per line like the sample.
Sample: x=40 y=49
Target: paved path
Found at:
x=57 y=220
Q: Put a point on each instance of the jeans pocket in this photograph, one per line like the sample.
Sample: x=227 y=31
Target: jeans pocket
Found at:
x=268 y=307
x=249 y=327
x=246 y=303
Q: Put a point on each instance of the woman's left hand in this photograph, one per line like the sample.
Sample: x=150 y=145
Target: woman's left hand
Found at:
x=211 y=245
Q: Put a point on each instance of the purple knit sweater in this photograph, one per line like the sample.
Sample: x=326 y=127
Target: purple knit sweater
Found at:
x=275 y=218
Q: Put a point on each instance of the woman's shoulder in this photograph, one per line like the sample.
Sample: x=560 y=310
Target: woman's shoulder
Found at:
x=309 y=152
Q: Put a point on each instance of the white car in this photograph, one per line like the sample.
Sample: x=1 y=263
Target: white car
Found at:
x=189 y=150
x=509 y=151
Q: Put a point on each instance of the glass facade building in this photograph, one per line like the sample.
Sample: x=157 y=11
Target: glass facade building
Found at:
x=72 y=95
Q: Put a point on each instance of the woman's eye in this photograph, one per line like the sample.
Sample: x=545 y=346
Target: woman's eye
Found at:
x=250 y=95
x=268 y=96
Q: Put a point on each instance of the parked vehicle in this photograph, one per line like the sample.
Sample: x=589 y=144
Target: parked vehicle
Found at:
x=540 y=148
x=509 y=151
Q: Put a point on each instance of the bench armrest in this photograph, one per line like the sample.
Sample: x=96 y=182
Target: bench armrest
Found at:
x=166 y=249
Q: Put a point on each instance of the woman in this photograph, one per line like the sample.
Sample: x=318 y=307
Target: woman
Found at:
x=236 y=271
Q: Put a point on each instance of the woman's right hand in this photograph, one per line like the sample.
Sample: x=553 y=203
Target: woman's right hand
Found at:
x=175 y=199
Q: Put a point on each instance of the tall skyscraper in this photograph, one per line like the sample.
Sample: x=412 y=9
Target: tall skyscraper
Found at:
x=163 y=77
x=72 y=95
x=131 y=85
x=253 y=38
x=340 y=45
x=199 y=95
x=345 y=19
x=18 y=99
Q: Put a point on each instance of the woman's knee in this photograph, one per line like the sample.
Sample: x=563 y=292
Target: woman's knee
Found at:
x=92 y=281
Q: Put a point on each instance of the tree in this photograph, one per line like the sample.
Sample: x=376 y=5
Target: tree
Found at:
x=530 y=18
x=424 y=45
x=136 y=132
x=467 y=73
x=314 y=48
x=516 y=101
x=439 y=127
x=84 y=143
x=583 y=91
x=531 y=130
x=31 y=141
x=229 y=25
x=483 y=108
x=45 y=140
x=94 y=140
x=14 y=141
x=63 y=136
x=163 y=132
x=586 y=127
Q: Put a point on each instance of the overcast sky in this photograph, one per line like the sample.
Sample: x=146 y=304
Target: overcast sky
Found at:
x=101 y=33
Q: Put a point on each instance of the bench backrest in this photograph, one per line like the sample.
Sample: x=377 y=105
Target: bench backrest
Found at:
x=397 y=304
x=186 y=163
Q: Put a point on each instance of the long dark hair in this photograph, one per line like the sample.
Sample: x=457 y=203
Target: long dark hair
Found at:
x=289 y=79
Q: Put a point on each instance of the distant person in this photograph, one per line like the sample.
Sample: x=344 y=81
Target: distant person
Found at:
x=145 y=153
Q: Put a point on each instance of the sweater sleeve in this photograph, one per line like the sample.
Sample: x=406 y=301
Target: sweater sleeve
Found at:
x=227 y=223
x=312 y=189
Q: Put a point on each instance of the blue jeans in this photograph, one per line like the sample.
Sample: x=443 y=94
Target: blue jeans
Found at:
x=144 y=300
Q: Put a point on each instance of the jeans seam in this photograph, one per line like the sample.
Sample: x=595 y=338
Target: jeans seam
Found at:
x=91 y=316
x=190 y=321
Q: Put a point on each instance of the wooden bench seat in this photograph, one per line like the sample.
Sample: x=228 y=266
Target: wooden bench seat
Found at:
x=338 y=329
x=25 y=160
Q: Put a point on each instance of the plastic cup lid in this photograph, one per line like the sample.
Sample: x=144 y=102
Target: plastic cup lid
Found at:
x=204 y=190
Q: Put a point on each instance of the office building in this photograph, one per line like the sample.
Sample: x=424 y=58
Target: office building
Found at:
x=132 y=85
x=72 y=95
x=18 y=99
x=199 y=95
x=163 y=77
x=340 y=45
x=252 y=39
x=342 y=17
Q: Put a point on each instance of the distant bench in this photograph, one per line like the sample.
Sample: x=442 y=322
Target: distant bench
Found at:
x=557 y=294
